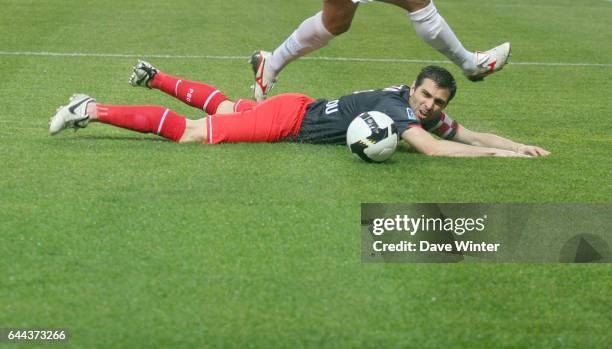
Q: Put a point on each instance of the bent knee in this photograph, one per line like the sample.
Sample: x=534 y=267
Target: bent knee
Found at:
x=415 y=5
x=410 y=5
x=337 y=28
x=338 y=15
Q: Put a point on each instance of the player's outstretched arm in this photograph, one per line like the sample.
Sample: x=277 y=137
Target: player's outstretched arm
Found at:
x=490 y=140
x=425 y=143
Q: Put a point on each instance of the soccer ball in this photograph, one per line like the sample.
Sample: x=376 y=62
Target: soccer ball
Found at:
x=372 y=136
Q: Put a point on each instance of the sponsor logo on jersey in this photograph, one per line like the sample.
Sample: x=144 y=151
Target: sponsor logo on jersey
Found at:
x=411 y=115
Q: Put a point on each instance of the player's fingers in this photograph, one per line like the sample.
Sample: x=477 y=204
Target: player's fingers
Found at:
x=541 y=151
x=521 y=155
x=531 y=151
x=535 y=151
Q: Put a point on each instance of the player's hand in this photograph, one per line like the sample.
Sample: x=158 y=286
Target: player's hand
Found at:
x=532 y=150
x=509 y=154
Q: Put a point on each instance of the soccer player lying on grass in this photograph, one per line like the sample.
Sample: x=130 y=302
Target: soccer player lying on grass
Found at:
x=416 y=110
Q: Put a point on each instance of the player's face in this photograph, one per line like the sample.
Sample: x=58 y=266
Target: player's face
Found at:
x=428 y=100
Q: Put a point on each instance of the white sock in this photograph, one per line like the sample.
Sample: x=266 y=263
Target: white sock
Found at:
x=309 y=36
x=434 y=30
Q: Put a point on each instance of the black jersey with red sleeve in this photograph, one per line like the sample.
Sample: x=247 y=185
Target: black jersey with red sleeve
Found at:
x=326 y=121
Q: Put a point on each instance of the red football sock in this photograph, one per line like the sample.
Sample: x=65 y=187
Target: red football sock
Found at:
x=145 y=119
x=195 y=94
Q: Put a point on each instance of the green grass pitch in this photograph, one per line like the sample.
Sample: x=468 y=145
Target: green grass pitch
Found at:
x=132 y=241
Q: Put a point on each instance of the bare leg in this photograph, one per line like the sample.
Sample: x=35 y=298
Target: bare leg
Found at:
x=409 y=5
x=195 y=131
x=338 y=15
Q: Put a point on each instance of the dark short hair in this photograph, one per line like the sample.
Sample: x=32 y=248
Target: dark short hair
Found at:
x=442 y=77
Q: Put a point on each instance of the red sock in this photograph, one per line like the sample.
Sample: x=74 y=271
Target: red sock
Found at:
x=195 y=94
x=145 y=119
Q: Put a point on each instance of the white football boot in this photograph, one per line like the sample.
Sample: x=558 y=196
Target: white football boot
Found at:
x=74 y=115
x=142 y=73
x=264 y=77
x=488 y=62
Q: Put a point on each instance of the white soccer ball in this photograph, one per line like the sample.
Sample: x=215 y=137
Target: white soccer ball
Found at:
x=372 y=136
